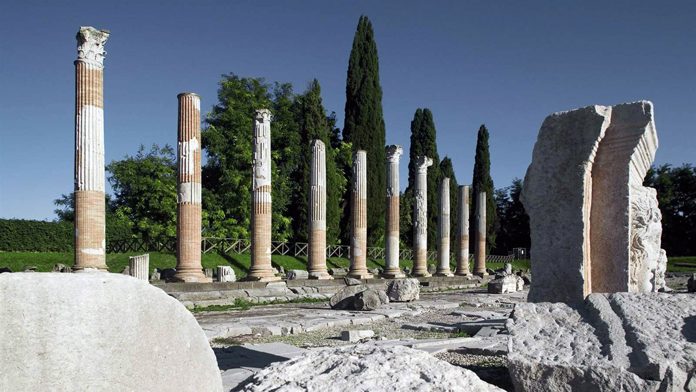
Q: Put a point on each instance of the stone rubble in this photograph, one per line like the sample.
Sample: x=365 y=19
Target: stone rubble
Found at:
x=356 y=335
x=403 y=290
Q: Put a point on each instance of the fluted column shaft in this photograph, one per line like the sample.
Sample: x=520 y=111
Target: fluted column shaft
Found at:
x=463 y=233
x=261 y=268
x=392 y=269
x=443 y=230
x=139 y=267
x=358 y=249
x=90 y=231
x=317 y=213
x=420 y=218
x=188 y=224
x=480 y=255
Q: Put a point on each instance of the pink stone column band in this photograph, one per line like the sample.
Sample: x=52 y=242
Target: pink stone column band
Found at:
x=317 y=213
x=392 y=270
x=463 y=233
x=480 y=255
x=443 y=230
x=358 y=250
x=90 y=232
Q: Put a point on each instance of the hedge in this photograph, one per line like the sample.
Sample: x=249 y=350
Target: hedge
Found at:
x=41 y=236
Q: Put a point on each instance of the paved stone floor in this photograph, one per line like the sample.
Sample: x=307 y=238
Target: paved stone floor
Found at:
x=463 y=327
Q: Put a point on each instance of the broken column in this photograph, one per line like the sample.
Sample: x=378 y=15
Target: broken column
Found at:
x=188 y=224
x=261 y=268
x=225 y=273
x=463 y=233
x=420 y=218
x=587 y=172
x=139 y=267
x=392 y=270
x=90 y=232
x=443 y=230
x=358 y=250
x=317 y=213
x=480 y=251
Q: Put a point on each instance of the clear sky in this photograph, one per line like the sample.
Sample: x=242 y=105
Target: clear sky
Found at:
x=507 y=64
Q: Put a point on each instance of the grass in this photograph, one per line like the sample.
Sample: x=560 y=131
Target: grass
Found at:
x=686 y=264
x=243 y=304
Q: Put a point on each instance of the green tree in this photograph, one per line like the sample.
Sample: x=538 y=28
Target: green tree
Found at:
x=423 y=142
x=144 y=189
x=447 y=171
x=314 y=124
x=513 y=228
x=482 y=182
x=364 y=123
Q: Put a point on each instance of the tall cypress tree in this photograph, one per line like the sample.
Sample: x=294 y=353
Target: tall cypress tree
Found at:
x=313 y=124
x=447 y=170
x=423 y=143
x=482 y=182
x=364 y=124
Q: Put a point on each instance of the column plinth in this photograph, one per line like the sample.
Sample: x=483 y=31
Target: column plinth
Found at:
x=261 y=268
x=317 y=213
x=463 y=233
x=90 y=210
x=188 y=211
x=358 y=249
x=420 y=218
x=391 y=269
x=480 y=254
x=443 y=230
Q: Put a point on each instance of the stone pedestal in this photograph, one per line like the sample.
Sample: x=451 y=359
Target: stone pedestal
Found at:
x=225 y=273
x=317 y=213
x=261 y=268
x=358 y=249
x=90 y=232
x=443 y=230
x=392 y=270
x=188 y=227
x=420 y=218
x=462 y=251
x=480 y=253
x=139 y=267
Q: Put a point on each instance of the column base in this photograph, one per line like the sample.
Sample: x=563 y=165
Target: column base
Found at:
x=360 y=275
x=443 y=273
x=323 y=275
x=462 y=273
x=271 y=278
x=421 y=274
x=90 y=269
x=481 y=274
x=191 y=277
x=393 y=274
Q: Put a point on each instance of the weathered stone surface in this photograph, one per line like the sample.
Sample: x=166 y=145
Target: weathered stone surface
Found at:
x=363 y=367
x=691 y=284
x=225 y=273
x=99 y=332
x=367 y=300
x=357 y=335
x=403 y=290
x=587 y=172
x=611 y=342
x=338 y=271
x=61 y=268
x=505 y=284
x=297 y=274
x=352 y=281
x=343 y=299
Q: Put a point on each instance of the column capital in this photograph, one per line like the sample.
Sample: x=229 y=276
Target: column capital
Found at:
x=262 y=115
x=90 y=45
x=423 y=163
x=318 y=145
x=394 y=153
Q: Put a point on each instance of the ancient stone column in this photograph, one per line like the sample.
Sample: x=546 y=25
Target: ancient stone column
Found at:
x=420 y=218
x=463 y=233
x=90 y=232
x=139 y=267
x=443 y=230
x=188 y=225
x=317 y=213
x=480 y=254
x=392 y=270
x=358 y=249
x=261 y=268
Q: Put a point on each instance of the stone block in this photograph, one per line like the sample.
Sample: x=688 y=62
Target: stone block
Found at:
x=506 y=284
x=356 y=335
x=225 y=273
x=297 y=274
x=403 y=290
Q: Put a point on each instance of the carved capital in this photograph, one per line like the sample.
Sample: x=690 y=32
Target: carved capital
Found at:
x=262 y=115
x=318 y=146
x=394 y=153
x=423 y=163
x=90 y=45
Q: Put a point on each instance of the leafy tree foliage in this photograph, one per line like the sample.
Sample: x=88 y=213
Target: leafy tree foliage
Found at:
x=447 y=171
x=482 y=182
x=422 y=143
x=676 y=195
x=144 y=188
x=513 y=228
x=364 y=123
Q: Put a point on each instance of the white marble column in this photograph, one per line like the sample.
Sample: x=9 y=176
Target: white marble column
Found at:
x=443 y=230
x=463 y=233
x=480 y=255
x=420 y=218
x=358 y=250
x=139 y=267
x=317 y=213
x=90 y=210
x=392 y=270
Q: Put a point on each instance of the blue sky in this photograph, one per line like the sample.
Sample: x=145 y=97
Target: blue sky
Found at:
x=507 y=64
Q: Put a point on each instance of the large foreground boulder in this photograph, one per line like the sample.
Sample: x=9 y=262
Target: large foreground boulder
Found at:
x=403 y=290
x=612 y=342
x=365 y=367
x=358 y=297
x=99 y=332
